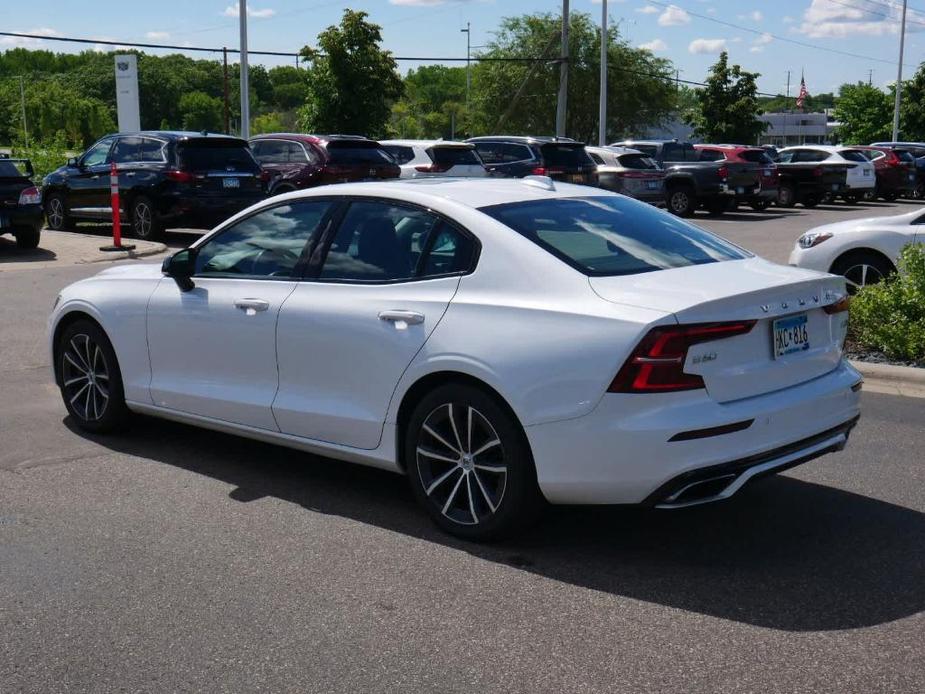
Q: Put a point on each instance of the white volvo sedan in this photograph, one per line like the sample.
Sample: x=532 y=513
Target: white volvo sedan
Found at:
x=500 y=342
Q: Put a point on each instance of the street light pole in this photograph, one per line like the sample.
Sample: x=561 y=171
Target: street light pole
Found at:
x=245 y=89
x=562 y=104
x=468 y=32
x=605 y=44
x=22 y=99
x=899 y=75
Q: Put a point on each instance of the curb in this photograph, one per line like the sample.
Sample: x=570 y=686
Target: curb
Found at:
x=149 y=248
x=908 y=381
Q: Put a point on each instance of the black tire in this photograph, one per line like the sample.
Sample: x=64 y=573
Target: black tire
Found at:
x=786 y=195
x=681 y=200
x=146 y=224
x=56 y=212
x=851 y=199
x=471 y=494
x=890 y=197
x=861 y=268
x=760 y=205
x=810 y=201
x=919 y=192
x=97 y=403
x=27 y=238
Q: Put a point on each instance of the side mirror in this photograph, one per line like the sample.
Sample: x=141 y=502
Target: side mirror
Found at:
x=72 y=162
x=181 y=266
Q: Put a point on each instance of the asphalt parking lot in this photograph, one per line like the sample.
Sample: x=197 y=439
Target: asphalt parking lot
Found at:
x=175 y=559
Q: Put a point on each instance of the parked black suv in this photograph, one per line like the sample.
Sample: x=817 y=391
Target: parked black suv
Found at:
x=165 y=179
x=20 y=202
x=562 y=159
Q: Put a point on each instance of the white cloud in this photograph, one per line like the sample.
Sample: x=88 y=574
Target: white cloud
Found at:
x=787 y=19
x=22 y=41
x=157 y=35
x=647 y=9
x=673 y=16
x=827 y=19
x=654 y=45
x=754 y=16
x=234 y=11
x=702 y=46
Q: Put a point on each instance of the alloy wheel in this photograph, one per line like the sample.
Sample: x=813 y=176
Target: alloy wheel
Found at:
x=679 y=201
x=85 y=375
x=143 y=220
x=55 y=213
x=461 y=464
x=860 y=275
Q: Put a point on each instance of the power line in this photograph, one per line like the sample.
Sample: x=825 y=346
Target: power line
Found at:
x=777 y=37
x=873 y=12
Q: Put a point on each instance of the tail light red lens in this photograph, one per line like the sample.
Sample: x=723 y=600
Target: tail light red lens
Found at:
x=839 y=306
x=179 y=176
x=30 y=196
x=817 y=171
x=723 y=171
x=539 y=171
x=657 y=363
x=265 y=176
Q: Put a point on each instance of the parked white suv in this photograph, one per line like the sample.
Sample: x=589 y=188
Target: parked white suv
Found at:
x=862 y=177
x=429 y=158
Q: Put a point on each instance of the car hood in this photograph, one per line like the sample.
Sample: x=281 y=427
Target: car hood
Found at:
x=852 y=225
x=132 y=271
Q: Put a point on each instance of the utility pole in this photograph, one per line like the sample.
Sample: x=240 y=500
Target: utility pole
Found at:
x=605 y=44
x=22 y=99
x=786 y=110
x=899 y=75
x=225 y=89
x=245 y=89
x=562 y=105
x=468 y=32
x=870 y=77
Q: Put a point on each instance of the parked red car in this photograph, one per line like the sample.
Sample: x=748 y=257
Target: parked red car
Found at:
x=760 y=197
x=895 y=170
x=302 y=161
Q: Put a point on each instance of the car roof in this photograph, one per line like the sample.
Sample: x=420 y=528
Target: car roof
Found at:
x=428 y=143
x=730 y=148
x=525 y=139
x=313 y=138
x=176 y=135
x=613 y=149
x=471 y=192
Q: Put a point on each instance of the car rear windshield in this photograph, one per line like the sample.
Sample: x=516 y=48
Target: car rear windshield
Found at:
x=854 y=155
x=636 y=161
x=216 y=155
x=608 y=236
x=904 y=155
x=565 y=155
x=352 y=153
x=454 y=156
x=14 y=168
x=756 y=156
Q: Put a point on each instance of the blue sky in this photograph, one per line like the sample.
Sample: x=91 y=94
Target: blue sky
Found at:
x=857 y=35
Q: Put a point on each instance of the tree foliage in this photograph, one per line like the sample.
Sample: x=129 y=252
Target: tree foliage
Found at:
x=199 y=111
x=433 y=104
x=912 y=107
x=351 y=80
x=814 y=103
x=864 y=113
x=727 y=107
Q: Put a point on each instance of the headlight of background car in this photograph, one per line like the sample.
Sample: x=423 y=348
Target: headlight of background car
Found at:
x=813 y=238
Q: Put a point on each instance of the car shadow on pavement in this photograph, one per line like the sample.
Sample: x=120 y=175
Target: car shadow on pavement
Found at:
x=9 y=253
x=784 y=554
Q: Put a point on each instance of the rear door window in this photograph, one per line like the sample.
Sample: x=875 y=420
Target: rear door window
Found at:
x=711 y=155
x=271 y=151
x=854 y=155
x=513 y=152
x=490 y=152
x=756 y=156
x=152 y=150
x=218 y=154
x=354 y=153
x=449 y=252
x=126 y=150
x=597 y=158
x=672 y=151
x=402 y=154
x=636 y=161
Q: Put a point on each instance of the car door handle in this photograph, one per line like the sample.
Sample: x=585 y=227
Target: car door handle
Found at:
x=407 y=317
x=252 y=306
x=130 y=173
x=94 y=176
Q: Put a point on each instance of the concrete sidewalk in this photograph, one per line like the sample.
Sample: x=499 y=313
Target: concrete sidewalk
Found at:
x=908 y=381
x=58 y=248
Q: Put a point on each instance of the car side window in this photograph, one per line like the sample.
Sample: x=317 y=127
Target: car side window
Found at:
x=450 y=251
x=517 y=153
x=266 y=244
x=378 y=242
x=126 y=150
x=272 y=152
x=785 y=157
x=297 y=154
x=598 y=159
x=151 y=150
x=490 y=152
x=98 y=153
x=711 y=155
x=400 y=153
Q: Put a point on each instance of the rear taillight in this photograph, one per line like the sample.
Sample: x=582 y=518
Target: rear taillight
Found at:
x=657 y=364
x=433 y=168
x=335 y=170
x=30 y=196
x=839 y=306
x=543 y=171
x=817 y=171
x=723 y=171
x=265 y=176
x=179 y=176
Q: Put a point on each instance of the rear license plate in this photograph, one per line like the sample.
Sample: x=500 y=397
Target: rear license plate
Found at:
x=231 y=183
x=790 y=334
x=653 y=185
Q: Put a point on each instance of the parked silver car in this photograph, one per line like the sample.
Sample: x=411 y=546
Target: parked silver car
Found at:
x=630 y=172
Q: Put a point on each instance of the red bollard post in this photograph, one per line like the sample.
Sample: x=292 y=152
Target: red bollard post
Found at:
x=116 y=217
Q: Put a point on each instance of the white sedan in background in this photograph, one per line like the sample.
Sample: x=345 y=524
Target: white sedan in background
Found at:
x=435 y=158
x=500 y=342
x=864 y=251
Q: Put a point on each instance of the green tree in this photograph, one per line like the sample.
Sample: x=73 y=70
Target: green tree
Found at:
x=434 y=100
x=727 y=107
x=199 y=111
x=351 y=80
x=912 y=107
x=864 y=114
x=520 y=97
x=815 y=103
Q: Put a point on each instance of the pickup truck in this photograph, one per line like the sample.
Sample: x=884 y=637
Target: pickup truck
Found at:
x=20 y=202
x=691 y=183
x=810 y=182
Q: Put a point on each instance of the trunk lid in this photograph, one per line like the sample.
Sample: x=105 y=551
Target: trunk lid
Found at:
x=352 y=160
x=14 y=179
x=742 y=178
x=751 y=289
x=221 y=166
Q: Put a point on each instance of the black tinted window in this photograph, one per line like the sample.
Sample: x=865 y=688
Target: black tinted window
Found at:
x=596 y=158
x=512 y=152
x=452 y=156
x=612 y=235
x=126 y=150
x=151 y=150
x=565 y=155
x=636 y=161
x=345 y=153
x=649 y=150
x=271 y=151
x=378 y=241
x=400 y=153
x=711 y=155
x=11 y=169
x=450 y=251
x=216 y=155
x=490 y=152
x=756 y=156
x=904 y=155
x=672 y=151
x=267 y=244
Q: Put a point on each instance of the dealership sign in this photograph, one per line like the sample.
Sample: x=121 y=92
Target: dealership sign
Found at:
x=127 y=93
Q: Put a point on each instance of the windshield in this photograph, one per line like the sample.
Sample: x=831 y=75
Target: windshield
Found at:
x=453 y=156
x=607 y=236
x=219 y=154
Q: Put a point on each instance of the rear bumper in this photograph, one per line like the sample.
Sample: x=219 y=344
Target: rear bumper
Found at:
x=203 y=211
x=622 y=452
x=30 y=216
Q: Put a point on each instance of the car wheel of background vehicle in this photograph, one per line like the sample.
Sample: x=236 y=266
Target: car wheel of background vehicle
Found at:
x=760 y=205
x=56 y=212
x=681 y=200
x=919 y=191
x=145 y=223
x=810 y=201
x=890 y=197
x=27 y=237
x=469 y=464
x=90 y=380
x=861 y=268
x=786 y=196
x=851 y=199
x=280 y=189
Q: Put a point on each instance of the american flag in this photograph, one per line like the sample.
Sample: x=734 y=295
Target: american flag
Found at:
x=803 y=93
